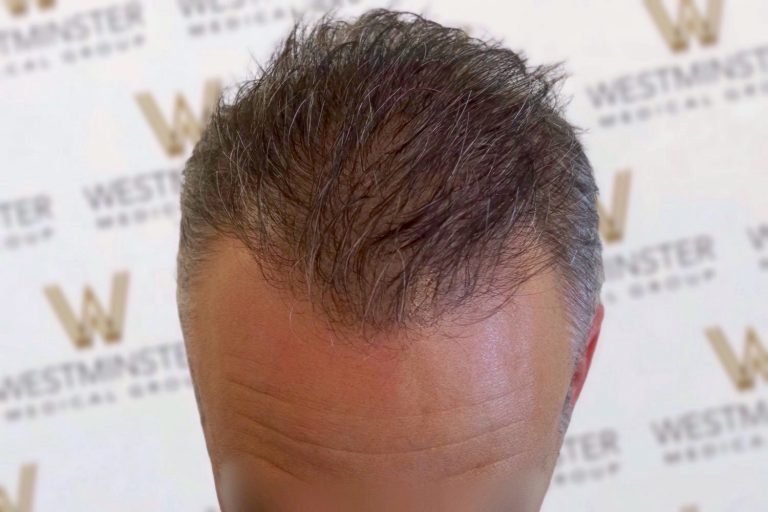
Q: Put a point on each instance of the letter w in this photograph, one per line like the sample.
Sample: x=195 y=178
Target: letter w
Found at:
x=754 y=362
x=689 y=22
x=25 y=494
x=20 y=7
x=612 y=223
x=93 y=317
x=185 y=125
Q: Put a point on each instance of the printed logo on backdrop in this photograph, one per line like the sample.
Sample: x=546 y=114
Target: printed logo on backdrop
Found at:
x=94 y=317
x=38 y=35
x=105 y=366
x=21 y=7
x=758 y=240
x=746 y=367
x=184 y=125
x=23 y=499
x=644 y=272
x=693 y=74
x=691 y=22
x=725 y=430
x=613 y=222
x=140 y=197
x=205 y=18
x=25 y=222
x=588 y=457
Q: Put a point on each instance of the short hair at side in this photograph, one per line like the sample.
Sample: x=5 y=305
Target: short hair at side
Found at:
x=394 y=170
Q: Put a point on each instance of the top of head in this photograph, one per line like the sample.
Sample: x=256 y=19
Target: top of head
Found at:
x=391 y=170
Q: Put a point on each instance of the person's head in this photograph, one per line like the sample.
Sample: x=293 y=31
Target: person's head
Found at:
x=389 y=274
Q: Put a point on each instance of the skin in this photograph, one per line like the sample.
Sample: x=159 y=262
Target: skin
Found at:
x=298 y=417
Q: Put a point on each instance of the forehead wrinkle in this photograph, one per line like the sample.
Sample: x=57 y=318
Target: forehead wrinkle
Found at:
x=461 y=396
x=298 y=420
x=440 y=379
x=452 y=459
x=257 y=420
x=326 y=408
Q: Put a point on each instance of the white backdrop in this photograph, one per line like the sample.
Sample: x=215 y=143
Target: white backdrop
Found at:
x=99 y=415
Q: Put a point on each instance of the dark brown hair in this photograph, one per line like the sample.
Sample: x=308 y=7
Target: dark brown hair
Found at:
x=393 y=169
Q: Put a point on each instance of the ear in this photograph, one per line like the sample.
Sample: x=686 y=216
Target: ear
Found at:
x=585 y=361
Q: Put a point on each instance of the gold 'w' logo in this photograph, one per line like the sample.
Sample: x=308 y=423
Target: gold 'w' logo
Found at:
x=93 y=315
x=690 y=22
x=26 y=492
x=753 y=363
x=613 y=222
x=184 y=124
x=20 y=7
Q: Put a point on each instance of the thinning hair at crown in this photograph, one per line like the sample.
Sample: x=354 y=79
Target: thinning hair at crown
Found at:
x=394 y=171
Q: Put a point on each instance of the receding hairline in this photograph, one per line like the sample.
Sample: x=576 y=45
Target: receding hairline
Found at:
x=294 y=61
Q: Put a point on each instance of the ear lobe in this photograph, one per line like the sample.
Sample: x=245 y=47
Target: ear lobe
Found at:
x=582 y=366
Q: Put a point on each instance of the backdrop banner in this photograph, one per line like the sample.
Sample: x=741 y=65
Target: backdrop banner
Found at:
x=101 y=102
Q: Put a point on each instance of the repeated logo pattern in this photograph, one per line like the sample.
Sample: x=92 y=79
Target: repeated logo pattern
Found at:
x=24 y=499
x=613 y=222
x=184 y=124
x=95 y=318
x=690 y=23
x=679 y=390
x=20 y=7
x=746 y=370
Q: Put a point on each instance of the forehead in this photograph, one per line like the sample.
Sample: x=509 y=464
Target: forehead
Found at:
x=282 y=388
